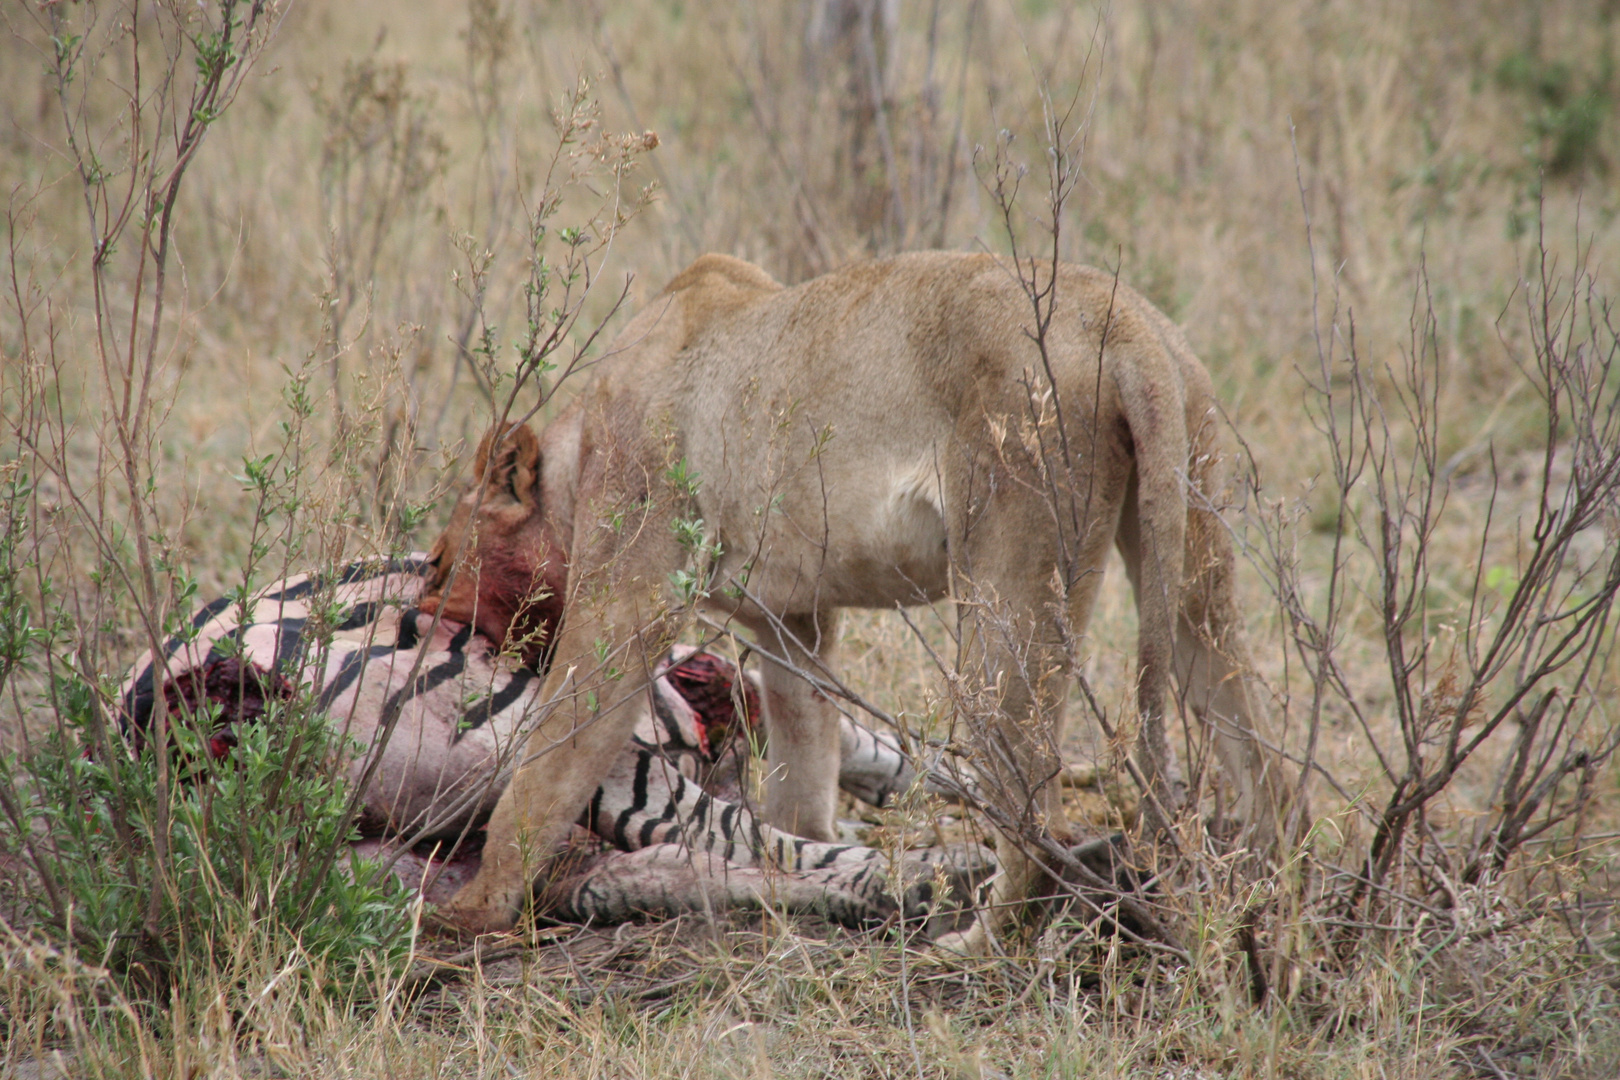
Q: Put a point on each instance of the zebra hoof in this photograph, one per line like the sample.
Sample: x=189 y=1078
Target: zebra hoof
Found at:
x=946 y=888
x=1109 y=858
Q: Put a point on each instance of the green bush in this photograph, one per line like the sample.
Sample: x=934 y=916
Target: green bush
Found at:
x=159 y=873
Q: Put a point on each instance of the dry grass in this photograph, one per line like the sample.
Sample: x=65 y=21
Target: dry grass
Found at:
x=359 y=215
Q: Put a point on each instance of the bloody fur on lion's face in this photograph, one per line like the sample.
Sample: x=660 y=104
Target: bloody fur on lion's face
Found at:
x=514 y=570
x=510 y=588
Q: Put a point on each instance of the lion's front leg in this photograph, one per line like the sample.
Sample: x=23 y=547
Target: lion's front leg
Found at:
x=591 y=708
x=804 y=749
x=617 y=620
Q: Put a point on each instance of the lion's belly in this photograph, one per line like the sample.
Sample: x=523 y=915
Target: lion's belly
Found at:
x=894 y=549
x=872 y=540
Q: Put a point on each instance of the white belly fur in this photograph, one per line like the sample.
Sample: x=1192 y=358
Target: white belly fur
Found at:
x=894 y=549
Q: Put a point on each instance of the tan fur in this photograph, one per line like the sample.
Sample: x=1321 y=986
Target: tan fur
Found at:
x=883 y=435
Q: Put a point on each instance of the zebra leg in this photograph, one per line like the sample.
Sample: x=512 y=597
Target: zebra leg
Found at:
x=646 y=802
x=646 y=799
x=669 y=879
x=872 y=767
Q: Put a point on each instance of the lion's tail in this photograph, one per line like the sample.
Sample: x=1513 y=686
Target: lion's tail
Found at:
x=1153 y=397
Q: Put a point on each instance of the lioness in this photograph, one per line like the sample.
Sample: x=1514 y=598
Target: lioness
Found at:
x=888 y=434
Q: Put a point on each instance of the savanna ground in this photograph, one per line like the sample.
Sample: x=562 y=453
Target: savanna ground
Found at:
x=1385 y=227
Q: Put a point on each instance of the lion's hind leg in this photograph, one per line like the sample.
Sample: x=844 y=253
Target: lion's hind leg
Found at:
x=1019 y=617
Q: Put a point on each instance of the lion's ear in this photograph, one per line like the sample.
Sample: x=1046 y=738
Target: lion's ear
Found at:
x=514 y=476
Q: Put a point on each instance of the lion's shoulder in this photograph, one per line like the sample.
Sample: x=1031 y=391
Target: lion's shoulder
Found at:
x=707 y=291
x=722 y=274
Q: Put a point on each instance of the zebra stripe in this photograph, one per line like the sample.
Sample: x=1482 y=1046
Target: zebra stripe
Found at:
x=466 y=710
